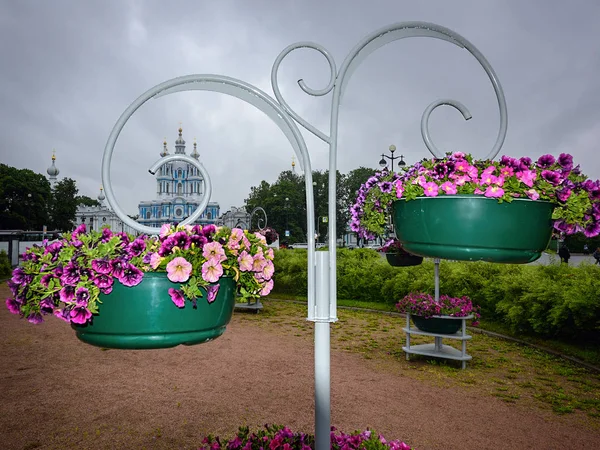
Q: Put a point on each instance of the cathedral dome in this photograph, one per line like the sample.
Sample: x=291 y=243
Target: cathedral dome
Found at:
x=53 y=170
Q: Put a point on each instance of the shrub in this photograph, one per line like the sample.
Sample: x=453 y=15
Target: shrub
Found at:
x=5 y=267
x=553 y=300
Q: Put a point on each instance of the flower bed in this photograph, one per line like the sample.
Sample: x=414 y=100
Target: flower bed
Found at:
x=276 y=437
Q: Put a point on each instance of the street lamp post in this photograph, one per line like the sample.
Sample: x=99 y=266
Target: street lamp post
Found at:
x=383 y=162
x=287 y=209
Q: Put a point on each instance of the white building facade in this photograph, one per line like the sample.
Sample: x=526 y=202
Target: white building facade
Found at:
x=179 y=191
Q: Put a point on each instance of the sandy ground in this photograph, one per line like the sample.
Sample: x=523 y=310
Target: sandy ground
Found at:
x=57 y=392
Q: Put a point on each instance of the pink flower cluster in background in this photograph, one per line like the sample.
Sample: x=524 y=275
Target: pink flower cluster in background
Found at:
x=422 y=304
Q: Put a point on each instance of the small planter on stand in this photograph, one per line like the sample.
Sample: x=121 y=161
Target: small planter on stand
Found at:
x=437 y=349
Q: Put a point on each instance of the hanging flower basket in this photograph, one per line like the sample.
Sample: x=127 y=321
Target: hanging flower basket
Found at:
x=403 y=259
x=460 y=208
x=472 y=228
x=143 y=316
x=121 y=291
x=398 y=257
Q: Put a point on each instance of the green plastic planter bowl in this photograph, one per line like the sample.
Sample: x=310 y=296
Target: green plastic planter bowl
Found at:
x=438 y=325
x=145 y=317
x=474 y=228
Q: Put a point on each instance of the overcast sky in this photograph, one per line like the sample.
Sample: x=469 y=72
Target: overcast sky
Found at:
x=68 y=69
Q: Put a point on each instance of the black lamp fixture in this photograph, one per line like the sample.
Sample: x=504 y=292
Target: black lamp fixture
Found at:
x=383 y=162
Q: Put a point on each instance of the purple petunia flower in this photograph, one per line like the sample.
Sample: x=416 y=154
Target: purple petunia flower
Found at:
x=137 y=247
x=82 y=295
x=13 y=305
x=208 y=230
x=107 y=290
x=80 y=315
x=70 y=274
x=14 y=287
x=524 y=163
x=47 y=305
x=386 y=187
x=131 y=276
x=564 y=194
x=35 y=318
x=102 y=266
x=181 y=240
x=198 y=240
x=18 y=276
x=545 y=161
x=118 y=266
x=551 y=177
x=592 y=230
x=565 y=161
x=45 y=280
x=106 y=234
x=211 y=292
x=67 y=293
x=63 y=314
x=166 y=247
x=177 y=297
x=79 y=230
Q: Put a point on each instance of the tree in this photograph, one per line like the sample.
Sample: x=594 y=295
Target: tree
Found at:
x=291 y=214
x=84 y=200
x=24 y=199
x=64 y=205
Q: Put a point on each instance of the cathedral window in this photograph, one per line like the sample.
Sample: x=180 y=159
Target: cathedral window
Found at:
x=179 y=188
x=167 y=188
x=148 y=215
x=179 y=173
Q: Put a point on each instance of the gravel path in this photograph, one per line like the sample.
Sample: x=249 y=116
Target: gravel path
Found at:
x=57 y=392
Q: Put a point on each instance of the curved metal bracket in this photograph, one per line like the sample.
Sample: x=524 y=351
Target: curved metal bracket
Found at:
x=260 y=219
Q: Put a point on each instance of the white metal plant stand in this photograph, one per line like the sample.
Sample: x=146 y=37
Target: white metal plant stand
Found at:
x=438 y=349
x=322 y=282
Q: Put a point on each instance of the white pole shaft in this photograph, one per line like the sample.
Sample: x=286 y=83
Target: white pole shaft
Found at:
x=322 y=386
x=322 y=353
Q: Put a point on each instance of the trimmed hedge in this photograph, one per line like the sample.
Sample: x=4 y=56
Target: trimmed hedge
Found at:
x=547 y=300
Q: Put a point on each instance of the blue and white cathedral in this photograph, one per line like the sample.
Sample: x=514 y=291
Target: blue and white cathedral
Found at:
x=179 y=189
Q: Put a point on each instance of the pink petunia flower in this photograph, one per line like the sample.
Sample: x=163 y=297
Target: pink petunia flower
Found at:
x=165 y=230
x=399 y=189
x=448 y=187
x=214 y=250
x=268 y=270
x=212 y=270
x=431 y=189
x=179 y=270
x=527 y=177
x=246 y=261
x=532 y=194
x=155 y=260
x=267 y=288
x=494 y=191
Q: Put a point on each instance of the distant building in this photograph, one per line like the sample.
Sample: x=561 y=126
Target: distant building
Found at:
x=94 y=217
x=179 y=189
